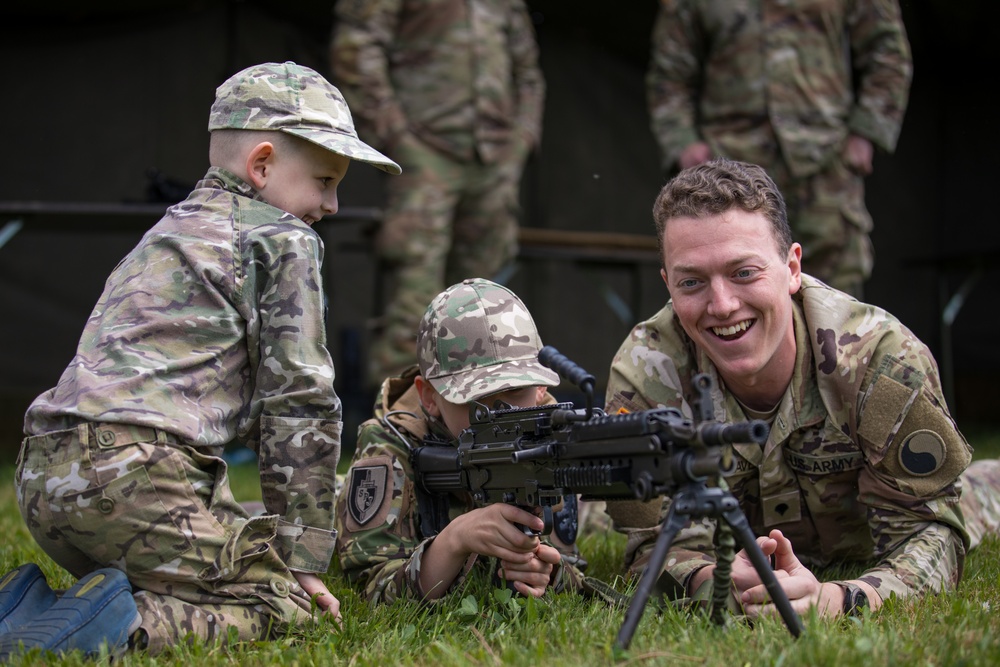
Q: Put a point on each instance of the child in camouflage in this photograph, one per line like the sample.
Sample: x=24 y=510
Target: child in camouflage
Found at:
x=211 y=329
x=476 y=342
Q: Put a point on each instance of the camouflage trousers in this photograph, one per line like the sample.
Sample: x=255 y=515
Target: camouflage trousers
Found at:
x=105 y=495
x=981 y=499
x=445 y=221
x=827 y=214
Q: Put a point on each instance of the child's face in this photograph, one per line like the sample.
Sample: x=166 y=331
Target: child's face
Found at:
x=302 y=179
x=456 y=416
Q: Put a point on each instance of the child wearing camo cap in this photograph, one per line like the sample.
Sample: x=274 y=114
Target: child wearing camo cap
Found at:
x=211 y=329
x=476 y=342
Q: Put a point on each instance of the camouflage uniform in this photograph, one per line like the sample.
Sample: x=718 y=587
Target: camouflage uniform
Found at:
x=211 y=329
x=475 y=339
x=863 y=461
x=782 y=85
x=377 y=515
x=452 y=89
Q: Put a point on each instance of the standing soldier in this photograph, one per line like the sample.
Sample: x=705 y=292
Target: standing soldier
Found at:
x=453 y=90
x=803 y=89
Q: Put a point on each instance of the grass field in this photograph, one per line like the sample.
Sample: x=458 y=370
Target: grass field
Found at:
x=484 y=626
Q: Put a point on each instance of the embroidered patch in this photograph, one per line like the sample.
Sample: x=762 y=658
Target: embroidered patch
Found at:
x=367 y=492
x=825 y=465
x=782 y=508
x=922 y=453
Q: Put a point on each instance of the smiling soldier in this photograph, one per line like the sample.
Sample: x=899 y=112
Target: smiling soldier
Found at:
x=863 y=464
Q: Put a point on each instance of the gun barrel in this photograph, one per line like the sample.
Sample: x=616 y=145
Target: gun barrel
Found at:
x=714 y=433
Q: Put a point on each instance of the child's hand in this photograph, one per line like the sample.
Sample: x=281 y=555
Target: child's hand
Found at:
x=317 y=590
x=533 y=577
x=495 y=531
x=487 y=531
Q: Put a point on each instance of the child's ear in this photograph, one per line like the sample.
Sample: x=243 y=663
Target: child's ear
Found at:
x=426 y=393
x=258 y=164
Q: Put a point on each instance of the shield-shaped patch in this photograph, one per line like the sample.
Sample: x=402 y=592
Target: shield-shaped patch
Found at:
x=367 y=492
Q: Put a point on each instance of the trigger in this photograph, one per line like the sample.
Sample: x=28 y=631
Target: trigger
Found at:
x=547 y=519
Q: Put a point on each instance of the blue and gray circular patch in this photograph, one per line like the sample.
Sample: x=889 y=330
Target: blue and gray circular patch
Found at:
x=923 y=453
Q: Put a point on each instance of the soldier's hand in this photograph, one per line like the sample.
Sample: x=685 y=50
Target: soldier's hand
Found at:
x=858 y=154
x=694 y=154
x=744 y=573
x=532 y=577
x=801 y=586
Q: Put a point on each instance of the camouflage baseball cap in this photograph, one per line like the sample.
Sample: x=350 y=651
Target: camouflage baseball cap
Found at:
x=290 y=98
x=476 y=339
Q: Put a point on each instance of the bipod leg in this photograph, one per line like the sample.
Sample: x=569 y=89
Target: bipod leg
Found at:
x=671 y=525
x=738 y=522
x=725 y=553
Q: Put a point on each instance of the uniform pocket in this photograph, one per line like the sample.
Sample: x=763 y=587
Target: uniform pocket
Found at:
x=125 y=521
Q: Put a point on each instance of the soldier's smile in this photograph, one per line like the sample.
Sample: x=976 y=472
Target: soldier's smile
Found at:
x=735 y=331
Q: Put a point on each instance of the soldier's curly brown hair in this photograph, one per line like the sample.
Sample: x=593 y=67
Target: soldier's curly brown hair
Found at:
x=717 y=186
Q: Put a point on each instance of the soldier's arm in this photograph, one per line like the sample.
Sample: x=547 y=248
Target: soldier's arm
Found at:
x=528 y=80
x=883 y=67
x=673 y=79
x=914 y=455
x=363 y=35
x=643 y=375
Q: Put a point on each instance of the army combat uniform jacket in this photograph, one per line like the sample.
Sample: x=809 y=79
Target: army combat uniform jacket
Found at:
x=862 y=462
x=382 y=534
x=763 y=80
x=461 y=75
x=211 y=330
x=453 y=91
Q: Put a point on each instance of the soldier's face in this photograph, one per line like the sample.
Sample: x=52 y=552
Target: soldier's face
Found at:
x=303 y=179
x=731 y=292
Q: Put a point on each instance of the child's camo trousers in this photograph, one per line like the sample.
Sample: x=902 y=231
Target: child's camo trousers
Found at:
x=129 y=497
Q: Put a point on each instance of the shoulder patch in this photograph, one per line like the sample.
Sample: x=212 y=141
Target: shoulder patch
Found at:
x=922 y=453
x=367 y=491
x=929 y=453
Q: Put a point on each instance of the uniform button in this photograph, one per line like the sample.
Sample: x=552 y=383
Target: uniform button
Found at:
x=106 y=437
x=106 y=505
x=280 y=588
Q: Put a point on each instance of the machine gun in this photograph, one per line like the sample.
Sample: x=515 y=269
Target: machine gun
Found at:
x=532 y=457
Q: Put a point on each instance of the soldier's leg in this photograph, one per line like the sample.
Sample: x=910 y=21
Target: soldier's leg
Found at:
x=981 y=499
x=412 y=244
x=164 y=514
x=486 y=223
x=828 y=217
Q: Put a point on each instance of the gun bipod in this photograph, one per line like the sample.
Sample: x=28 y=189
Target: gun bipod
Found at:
x=696 y=500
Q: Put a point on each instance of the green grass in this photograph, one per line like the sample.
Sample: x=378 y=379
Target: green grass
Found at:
x=483 y=626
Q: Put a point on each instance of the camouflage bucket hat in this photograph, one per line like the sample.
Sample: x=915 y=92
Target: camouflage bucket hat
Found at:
x=291 y=98
x=476 y=339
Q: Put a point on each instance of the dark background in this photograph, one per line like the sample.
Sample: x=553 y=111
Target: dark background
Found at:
x=98 y=94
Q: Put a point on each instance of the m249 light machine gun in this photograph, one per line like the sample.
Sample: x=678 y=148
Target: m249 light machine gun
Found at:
x=532 y=457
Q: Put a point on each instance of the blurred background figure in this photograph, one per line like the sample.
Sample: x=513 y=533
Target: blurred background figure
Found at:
x=453 y=91
x=805 y=89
